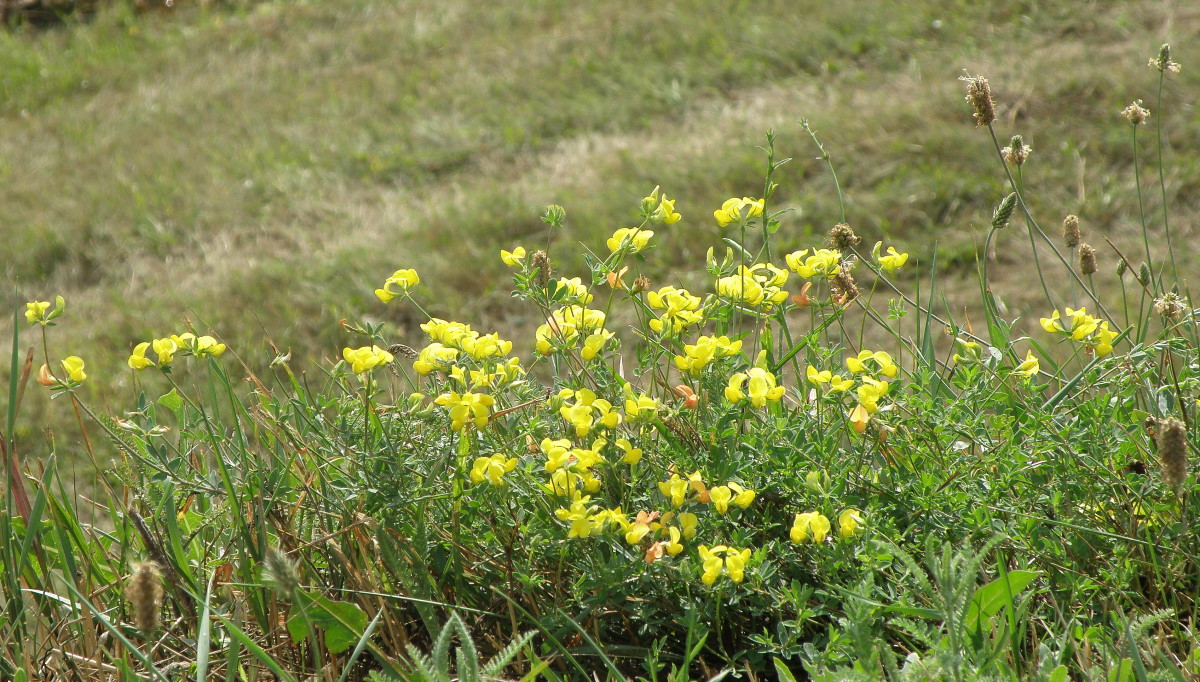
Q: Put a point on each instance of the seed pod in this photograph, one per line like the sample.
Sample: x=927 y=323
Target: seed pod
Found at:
x=1004 y=212
x=1087 y=259
x=1172 y=451
x=1070 y=229
x=144 y=591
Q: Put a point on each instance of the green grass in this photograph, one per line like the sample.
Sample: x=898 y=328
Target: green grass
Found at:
x=257 y=171
x=274 y=163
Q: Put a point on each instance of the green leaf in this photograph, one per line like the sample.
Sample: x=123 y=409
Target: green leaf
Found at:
x=1059 y=674
x=1123 y=672
x=992 y=597
x=171 y=401
x=342 y=622
x=782 y=672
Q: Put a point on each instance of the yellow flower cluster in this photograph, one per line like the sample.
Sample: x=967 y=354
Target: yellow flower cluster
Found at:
x=363 y=359
x=39 y=312
x=492 y=469
x=1093 y=332
x=466 y=407
x=454 y=341
x=758 y=286
x=890 y=263
x=821 y=378
x=759 y=385
x=697 y=356
x=660 y=210
x=720 y=560
x=680 y=310
x=513 y=258
x=564 y=328
x=815 y=526
x=399 y=283
x=572 y=292
x=735 y=210
x=822 y=262
x=587 y=411
x=629 y=240
x=166 y=348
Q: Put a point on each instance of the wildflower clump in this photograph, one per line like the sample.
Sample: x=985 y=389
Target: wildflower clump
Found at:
x=1091 y=331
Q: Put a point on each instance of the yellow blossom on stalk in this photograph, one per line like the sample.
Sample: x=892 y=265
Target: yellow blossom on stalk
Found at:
x=137 y=359
x=1029 y=367
x=200 y=347
x=403 y=280
x=850 y=523
x=688 y=522
x=1086 y=328
x=466 y=407
x=881 y=359
x=73 y=366
x=759 y=384
x=594 y=343
x=742 y=497
x=643 y=524
x=434 y=356
x=665 y=213
x=1103 y=340
x=870 y=392
x=579 y=517
x=680 y=310
x=513 y=258
x=812 y=525
x=630 y=239
x=608 y=517
x=706 y=349
x=733 y=564
x=483 y=347
x=565 y=483
x=35 y=311
x=823 y=377
x=558 y=453
x=971 y=352
x=757 y=285
x=822 y=262
x=362 y=359
x=676 y=489
x=673 y=545
x=731 y=493
x=165 y=350
x=563 y=327
x=859 y=416
x=632 y=455
x=587 y=411
x=448 y=333
x=492 y=468
x=640 y=408
x=890 y=263
x=733 y=210
x=575 y=291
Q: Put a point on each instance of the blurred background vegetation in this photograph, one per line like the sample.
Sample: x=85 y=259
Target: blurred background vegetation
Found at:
x=256 y=169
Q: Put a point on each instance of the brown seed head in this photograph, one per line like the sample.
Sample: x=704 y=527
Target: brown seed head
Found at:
x=642 y=283
x=1172 y=451
x=1017 y=152
x=1087 y=259
x=281 y=573
x=1135 y=114
x=843 y=287
x=1170 y=306
x=144 y=591
x=979 y=94
x=843 y=238
x=1070 y=230
x=541 y=263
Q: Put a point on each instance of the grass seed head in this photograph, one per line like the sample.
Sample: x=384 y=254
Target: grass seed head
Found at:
x=1087 y=259
x=843 y=287
x=541 y=263
x=979 y=94
x=1017 y=152
x=1172 y=451
x=144 y=591
x=1070 y=229
x=1163 y=61
x=281 y=573
x=843 y=238
x=1169 y=306
x=1135 y=113
x=1004 y=212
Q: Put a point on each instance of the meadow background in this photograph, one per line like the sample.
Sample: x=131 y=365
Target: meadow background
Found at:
x=256 y=167
x=254 y=170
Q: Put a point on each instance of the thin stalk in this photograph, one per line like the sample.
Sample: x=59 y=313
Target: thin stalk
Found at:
x=1033 y=248
x=1162 y=180
x=1137 y=180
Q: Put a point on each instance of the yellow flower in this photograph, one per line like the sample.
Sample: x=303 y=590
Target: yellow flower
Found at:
x=742 y=497
x=165 y=350
x=707 y=348
x=1104 y=338
x=971 y=350
x=720 y=497
x=733 y=564
x=760 y=384
x=589 y=410
x=850 y=523
x=364 y=359
x=466 y=407
x=581 y=520
x=137 y=359
x=757 y=285
x=1030 y=366
x=35 y=311
x=665 y=213
x=402 y=279
x=676 y=489
x=891 y=262
x=434 y=356
x=594 y=343
x=630 y=239
x=881 y=359
x=870 y=392
x=492 y=468
x=641 y=408
x=513 y=258
x=859 y=416
x=574 y=291
x=688 y=522
x=823 y=262
x=609 y=517
x=73 y=366
x=809 y=525
x=732 y=210
x=632 y=455
x=448 y=333
x=680 y=309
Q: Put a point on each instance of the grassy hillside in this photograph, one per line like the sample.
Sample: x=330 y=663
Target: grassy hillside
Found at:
x=261 y=171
